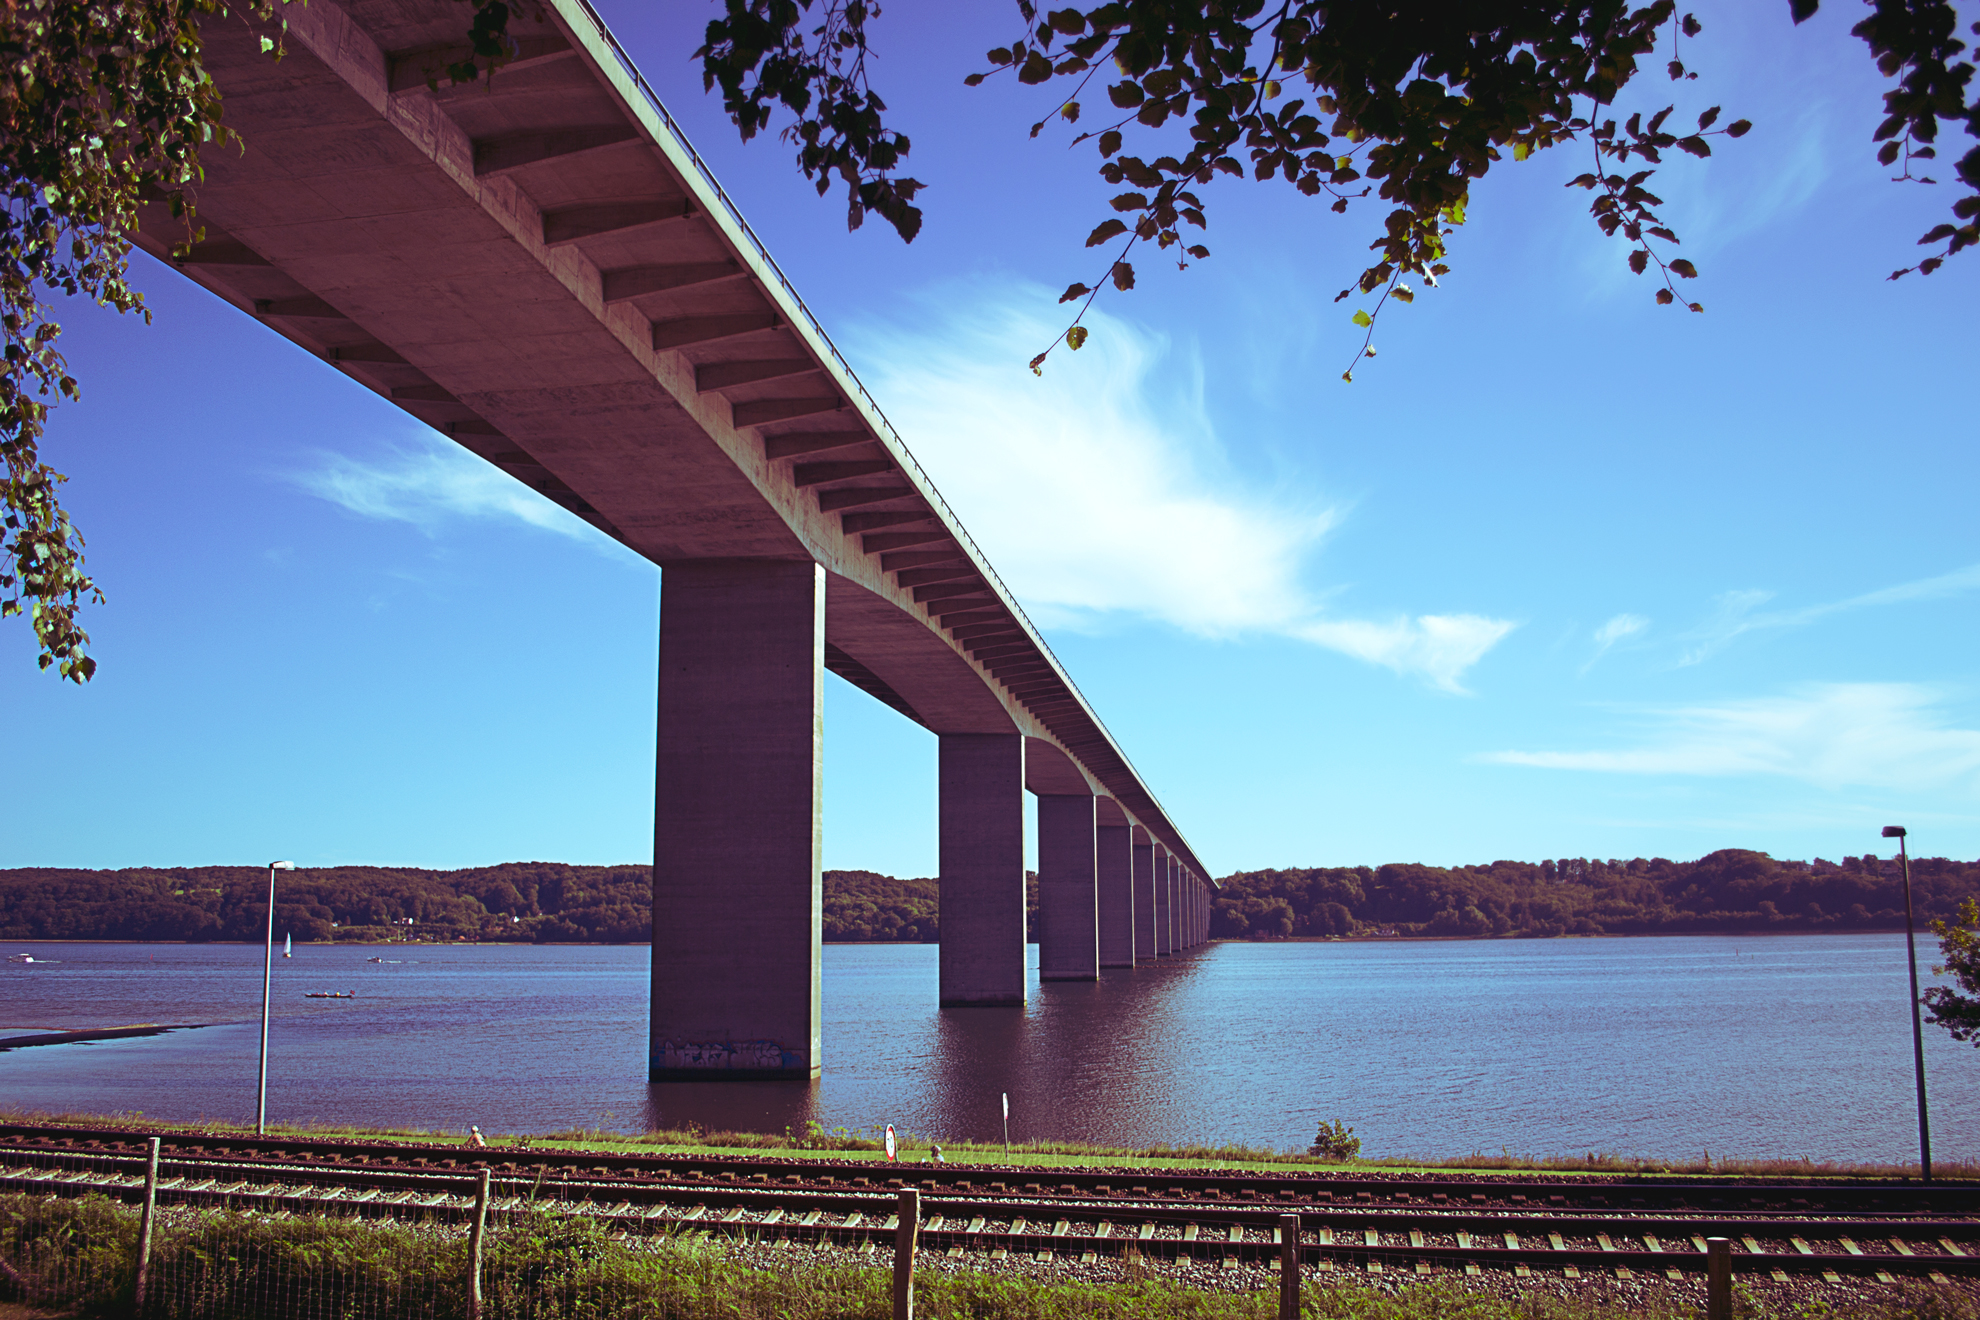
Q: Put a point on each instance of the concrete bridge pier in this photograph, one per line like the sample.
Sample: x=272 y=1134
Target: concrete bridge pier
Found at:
x=981 y=858
x=1068 y=888
x=1144 y=896
x=1165 y=940
x=1114 y=855
x=736 y=889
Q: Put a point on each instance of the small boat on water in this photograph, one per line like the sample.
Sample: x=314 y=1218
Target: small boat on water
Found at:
x=379 y=960
x=288 y=946
x=329 y=994
x=28 y=957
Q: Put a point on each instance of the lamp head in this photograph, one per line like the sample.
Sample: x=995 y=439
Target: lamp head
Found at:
x=1894 y=831
x=281 y=866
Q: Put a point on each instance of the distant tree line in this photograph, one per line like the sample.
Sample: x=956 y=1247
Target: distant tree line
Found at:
x=530 y=902
x=1731 y=890
x=547 y=902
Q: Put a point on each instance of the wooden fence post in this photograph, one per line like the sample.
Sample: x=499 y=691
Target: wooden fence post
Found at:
x=1718 y=1279
x=1288 y=1267
x=144 y=1229
x=474 y=1247
x=905 y=1236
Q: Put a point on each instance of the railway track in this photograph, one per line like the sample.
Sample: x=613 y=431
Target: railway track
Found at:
x=1616 y=1227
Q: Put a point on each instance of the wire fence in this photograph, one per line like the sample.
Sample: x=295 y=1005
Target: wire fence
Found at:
x=99 y=1235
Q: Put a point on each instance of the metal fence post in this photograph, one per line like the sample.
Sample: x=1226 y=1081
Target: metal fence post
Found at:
x=1718 y=1279
x=144 y=1228
x=474 y=1247
x=1288 y=1267
x=904 y=1243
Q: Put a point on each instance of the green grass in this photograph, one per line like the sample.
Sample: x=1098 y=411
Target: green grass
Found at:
x=217 y=1265
x=842 y=1144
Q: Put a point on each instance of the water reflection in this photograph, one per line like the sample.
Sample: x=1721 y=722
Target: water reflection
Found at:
x=1801 y=1045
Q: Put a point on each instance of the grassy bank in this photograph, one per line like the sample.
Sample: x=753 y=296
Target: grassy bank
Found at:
x=75 y=1256
x=843 y=1144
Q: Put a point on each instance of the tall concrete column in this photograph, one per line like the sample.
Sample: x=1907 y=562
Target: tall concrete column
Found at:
x=1068 y=889
x=736 y=893
x=1165 y=944
x=1144 y=901
x=981 y=896
x=1115 y=849
x=1169 y=905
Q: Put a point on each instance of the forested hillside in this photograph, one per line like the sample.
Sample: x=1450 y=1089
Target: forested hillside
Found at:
x=1732 y=890
x=548 y=902
x=543 y=902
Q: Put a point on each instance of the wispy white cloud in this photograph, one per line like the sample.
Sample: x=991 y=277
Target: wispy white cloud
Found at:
x=1738 y=612
x=1101 y=490
x=432 y=484
x=1834 y=735
x=1621 y=628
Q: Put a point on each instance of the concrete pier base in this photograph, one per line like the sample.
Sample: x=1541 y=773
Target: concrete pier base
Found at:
x=981 y=801
x=1114 y=855
x=736 y=891
x=1068 y=889
x=1165 y=940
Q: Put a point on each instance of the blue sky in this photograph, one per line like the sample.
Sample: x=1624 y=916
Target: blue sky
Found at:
x=1561 y=573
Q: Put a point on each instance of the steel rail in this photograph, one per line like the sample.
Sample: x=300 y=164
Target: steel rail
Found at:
x=434 y=1196
x=1235 y=1189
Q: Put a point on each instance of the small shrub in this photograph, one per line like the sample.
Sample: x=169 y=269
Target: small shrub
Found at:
x=1336 y=1141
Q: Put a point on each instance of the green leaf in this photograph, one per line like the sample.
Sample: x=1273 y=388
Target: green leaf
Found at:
x=1363 y=319
x=1076 y=338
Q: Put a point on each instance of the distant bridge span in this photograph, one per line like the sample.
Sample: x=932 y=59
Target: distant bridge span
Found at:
x=542 y=269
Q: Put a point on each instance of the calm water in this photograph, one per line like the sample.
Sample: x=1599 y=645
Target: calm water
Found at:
x=1664 y=1047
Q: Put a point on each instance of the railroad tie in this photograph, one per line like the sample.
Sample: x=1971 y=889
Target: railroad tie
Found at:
x=1951 y=1250
x=1235 y=1233
x=1326 y=1236
x=1651 y=1244
x=1698 y=1240
x=776 y=1216
x=1884 y=1277
x=1190 y=1232
x=1751 y=1245
x=1602 y=1241
x=1937 y=1278
x=1830 y=1276
x=732 y=1216
x=1147 y=1232
x=975 y=1225
x=691 y=1212
x=1371 y=1237
x=1801 y=1246
x=1554 y=1240
x=813 y=1216
x=1898 y=1245
x=1415 y=1237
x=1850 y=1247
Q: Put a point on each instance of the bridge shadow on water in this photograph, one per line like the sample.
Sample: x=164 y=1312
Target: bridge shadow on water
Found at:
x=1081 y=1061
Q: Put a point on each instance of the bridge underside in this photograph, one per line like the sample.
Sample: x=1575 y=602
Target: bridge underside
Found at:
x=539 y=268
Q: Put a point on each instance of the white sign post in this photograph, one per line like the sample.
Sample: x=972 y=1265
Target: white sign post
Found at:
x=890 y=1141
x=1007 y=1127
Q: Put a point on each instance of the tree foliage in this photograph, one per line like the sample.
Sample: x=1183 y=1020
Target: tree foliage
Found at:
x=1407 y=104
x=1958 y=1010
x=103 y=104
x=1727 y=891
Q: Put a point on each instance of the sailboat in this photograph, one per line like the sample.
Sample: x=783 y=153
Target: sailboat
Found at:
x=288 y=946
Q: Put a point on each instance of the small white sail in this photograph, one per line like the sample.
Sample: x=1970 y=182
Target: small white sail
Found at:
x=288 y=946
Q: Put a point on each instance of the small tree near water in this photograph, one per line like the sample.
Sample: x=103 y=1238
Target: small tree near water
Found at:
x=1336 y=1141
x=1958 y=1011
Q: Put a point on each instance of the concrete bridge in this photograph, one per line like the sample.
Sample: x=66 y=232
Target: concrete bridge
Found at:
x=542 y=269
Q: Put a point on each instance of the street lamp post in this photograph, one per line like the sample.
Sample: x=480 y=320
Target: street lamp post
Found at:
x=1917 y=1027
x=267 y=974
